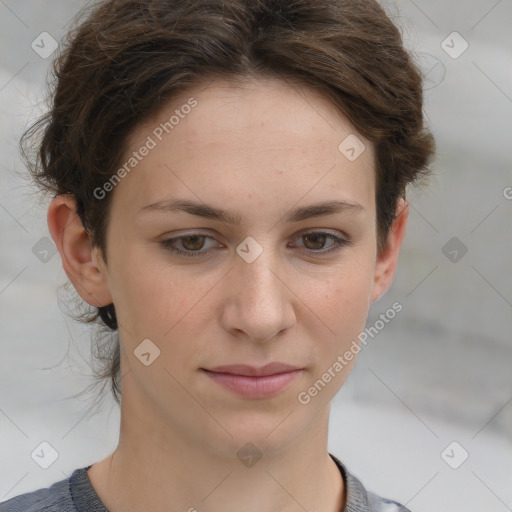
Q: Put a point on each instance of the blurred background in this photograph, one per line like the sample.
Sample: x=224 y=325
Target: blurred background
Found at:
x=426 y=415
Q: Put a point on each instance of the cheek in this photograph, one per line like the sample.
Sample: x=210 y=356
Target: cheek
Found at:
x=150 y=296
x=345 y=312
x=165 y=303
x=341 y=301
x=159 y=300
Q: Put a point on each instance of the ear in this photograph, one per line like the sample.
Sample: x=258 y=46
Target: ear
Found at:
x=83 y=264
x=387 y=260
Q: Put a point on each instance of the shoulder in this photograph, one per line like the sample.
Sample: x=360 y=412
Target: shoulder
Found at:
x=379 y=504
x=56 y=498
x=359 y=499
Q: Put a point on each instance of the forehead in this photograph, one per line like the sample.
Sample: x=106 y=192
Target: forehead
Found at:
x=254 y=139
x=228 y=112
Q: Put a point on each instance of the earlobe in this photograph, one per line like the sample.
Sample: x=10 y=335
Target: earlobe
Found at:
x=79 y=259
x=387 y=260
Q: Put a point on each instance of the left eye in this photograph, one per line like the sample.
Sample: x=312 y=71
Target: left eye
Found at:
x=194 y=243
x=318 y=238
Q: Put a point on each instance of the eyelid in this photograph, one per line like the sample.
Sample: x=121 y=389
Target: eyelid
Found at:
x=324 y=231
x=339 y=242
x=305 y=231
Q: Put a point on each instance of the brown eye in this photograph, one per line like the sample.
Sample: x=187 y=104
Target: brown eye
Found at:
x=315 y=241
x=192 y=245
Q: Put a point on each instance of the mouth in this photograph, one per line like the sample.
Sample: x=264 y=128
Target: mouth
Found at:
x=252 y=382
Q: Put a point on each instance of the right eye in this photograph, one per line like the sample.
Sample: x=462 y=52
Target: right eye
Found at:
x=192 y=244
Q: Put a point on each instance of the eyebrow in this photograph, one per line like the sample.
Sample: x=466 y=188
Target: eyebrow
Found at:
x=232 y=217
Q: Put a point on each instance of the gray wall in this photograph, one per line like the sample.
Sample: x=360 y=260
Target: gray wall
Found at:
x=440 y=372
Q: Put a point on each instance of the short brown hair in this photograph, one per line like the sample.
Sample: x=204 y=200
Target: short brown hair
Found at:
x=127 y=58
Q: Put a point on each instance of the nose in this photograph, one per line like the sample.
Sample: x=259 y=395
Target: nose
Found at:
x=258 y=304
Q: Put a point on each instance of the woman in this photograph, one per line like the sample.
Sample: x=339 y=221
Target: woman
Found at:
x=228 y=182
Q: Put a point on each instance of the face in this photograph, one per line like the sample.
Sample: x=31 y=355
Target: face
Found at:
x=271 y=283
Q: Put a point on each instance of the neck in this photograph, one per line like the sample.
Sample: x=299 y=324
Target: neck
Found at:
x=161 y=465
x=157 y=467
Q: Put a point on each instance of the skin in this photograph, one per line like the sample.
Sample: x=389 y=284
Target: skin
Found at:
x=259 y=149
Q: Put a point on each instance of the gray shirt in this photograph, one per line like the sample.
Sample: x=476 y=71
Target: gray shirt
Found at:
x=76 y=494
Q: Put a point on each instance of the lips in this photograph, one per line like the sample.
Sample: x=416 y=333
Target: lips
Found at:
x=251 y=382
x=251 y=371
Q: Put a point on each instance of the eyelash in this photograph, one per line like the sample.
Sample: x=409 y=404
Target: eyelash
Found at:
x=339 y=244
